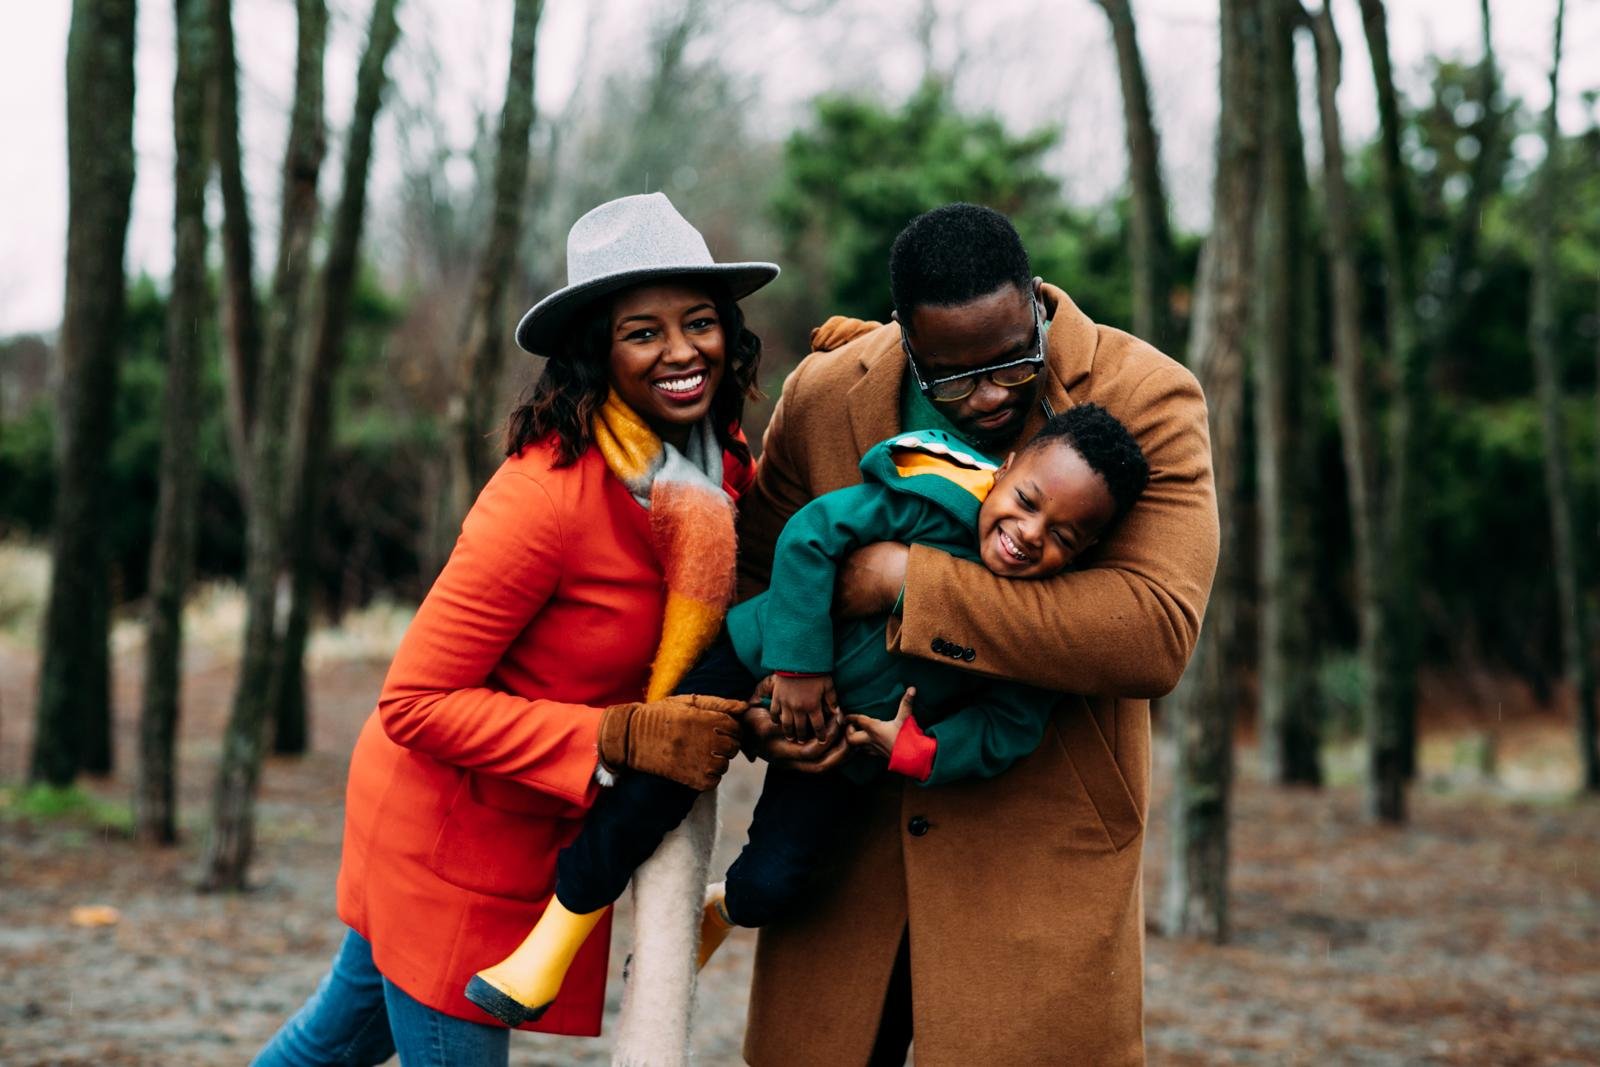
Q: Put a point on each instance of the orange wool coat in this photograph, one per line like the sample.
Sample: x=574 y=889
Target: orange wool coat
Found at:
x=477 y=766
x=1021 y=893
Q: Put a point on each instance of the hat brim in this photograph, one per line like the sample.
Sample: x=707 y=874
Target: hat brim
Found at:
x=541 y=328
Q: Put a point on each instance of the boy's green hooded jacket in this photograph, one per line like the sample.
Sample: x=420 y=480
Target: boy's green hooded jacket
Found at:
x=922 y=487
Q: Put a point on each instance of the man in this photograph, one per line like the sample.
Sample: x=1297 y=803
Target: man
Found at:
x=996 y=921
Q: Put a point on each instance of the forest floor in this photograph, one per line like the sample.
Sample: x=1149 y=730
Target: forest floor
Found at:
x=1469 y=936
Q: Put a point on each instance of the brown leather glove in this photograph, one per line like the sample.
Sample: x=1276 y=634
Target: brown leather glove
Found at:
x=688 y=739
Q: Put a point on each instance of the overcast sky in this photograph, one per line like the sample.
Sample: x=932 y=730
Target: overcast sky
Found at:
x=1033 y=61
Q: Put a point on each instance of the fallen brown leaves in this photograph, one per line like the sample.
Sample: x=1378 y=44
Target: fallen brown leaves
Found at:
x=1471 y=936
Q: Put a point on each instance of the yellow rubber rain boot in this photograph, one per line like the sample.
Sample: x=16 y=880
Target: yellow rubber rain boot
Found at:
x=522 y=986
x=714 y=923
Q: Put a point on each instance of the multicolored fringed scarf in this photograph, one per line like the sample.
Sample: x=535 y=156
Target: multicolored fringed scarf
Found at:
x=691 y=527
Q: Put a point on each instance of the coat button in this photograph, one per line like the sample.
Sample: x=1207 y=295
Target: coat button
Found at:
x=969 y=654
x=918 y=826
x=939 y=645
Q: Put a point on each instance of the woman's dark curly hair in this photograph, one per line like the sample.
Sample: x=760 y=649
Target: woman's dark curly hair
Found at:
x=574 y=383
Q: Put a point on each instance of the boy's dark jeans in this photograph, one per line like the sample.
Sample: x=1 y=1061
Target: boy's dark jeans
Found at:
x=797 y=817
x=795 y=820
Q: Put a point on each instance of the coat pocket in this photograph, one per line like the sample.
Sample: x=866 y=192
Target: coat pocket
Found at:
x=501 y=838
x=1086 y=749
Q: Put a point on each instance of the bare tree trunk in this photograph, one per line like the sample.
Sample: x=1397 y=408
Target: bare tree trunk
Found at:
x=302 y=165
x=924 y=23
x=1391 y=731
x=1355 y=420
x=74 y=711
x=241 y=309
x=1202 y=709
x=1391 y=652
x=652 y=144
x=1588 y=726
x=1152 y=253
x=232 y=835
x=310 y=430
x=1454 y=279
x=1542 y=330
x=483 y=357
x=172 y=552
x=1290 y=707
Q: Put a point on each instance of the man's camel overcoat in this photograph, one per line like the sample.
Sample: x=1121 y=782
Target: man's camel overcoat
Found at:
x=1022 y=893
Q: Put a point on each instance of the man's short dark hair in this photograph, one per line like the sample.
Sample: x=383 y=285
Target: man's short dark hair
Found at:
x=1106 y=445
x=954 y=254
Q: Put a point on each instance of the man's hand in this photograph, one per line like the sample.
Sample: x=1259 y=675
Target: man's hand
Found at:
x=763 y=738
x=870 y=580
x=805 y=706
x=875 y=735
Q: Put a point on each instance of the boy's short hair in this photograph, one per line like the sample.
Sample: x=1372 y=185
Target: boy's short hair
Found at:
x=954 y=254
x=1106 y=445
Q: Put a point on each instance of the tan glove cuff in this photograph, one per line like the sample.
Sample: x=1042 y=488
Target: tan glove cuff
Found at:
x=612 y=741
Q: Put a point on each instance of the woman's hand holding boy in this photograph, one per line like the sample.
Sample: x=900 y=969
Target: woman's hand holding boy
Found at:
x=688 y=739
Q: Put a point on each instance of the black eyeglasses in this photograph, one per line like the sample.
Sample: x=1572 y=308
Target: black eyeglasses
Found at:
x=1007 y=375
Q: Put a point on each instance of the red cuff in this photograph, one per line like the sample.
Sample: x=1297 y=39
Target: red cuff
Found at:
x=913 y=752
x=800 y=674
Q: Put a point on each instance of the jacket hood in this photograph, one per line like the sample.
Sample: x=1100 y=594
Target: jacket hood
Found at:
x=934 y=465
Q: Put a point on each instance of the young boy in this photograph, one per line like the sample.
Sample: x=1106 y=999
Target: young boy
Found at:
x=1028 y=518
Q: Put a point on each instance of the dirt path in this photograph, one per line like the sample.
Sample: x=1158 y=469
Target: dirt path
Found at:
x=1470 y=937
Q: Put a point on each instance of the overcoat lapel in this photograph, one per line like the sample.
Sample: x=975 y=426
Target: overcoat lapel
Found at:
x=874 y=401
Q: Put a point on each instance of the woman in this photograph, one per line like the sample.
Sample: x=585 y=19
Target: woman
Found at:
x=591 y=571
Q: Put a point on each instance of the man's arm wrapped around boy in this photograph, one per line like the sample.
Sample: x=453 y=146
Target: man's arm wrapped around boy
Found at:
x=798 y=622
x=1125 y=624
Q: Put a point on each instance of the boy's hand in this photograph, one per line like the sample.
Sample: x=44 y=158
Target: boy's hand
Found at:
x=875 y=735
x=806 y=707
x=763 y=739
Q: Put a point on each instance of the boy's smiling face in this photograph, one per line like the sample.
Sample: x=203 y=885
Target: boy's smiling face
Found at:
x=1047 y=506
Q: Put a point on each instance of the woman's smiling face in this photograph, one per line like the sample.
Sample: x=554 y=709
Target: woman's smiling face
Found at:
x=668 y=355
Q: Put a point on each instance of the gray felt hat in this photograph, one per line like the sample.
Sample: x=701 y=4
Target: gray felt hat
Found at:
x=625 y=242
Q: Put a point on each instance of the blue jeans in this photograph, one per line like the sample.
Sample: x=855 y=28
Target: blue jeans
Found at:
x=358 y=1017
